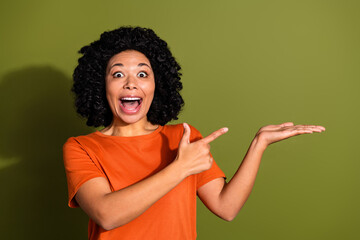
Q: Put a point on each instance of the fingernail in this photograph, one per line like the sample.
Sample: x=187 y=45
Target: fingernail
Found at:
x=225 y=129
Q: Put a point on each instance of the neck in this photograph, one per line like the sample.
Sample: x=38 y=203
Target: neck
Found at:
x=117 y=128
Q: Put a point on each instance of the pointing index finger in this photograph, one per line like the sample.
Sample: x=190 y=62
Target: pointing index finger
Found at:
x=215 y=135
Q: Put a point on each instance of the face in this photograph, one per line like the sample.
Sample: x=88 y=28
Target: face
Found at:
x=130 y=86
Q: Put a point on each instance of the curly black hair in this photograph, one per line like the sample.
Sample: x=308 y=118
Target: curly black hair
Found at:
x=89 y=75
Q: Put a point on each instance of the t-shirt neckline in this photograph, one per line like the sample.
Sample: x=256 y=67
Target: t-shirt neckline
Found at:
x=139 y=137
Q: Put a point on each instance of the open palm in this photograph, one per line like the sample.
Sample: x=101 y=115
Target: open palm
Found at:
x=273 y=133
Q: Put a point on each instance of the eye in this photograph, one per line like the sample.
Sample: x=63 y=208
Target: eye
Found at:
x=142 y=74
x=118 y=74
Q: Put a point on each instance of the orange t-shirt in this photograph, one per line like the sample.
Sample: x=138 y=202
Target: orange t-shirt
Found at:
x=124 y=161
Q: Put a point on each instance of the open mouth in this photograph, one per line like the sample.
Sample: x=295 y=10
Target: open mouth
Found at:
x=130 y=104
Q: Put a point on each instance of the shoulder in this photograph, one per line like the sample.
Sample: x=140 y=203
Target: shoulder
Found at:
x=84 y=142
x=178 y=130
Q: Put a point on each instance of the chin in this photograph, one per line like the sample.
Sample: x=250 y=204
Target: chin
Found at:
x=131 y=119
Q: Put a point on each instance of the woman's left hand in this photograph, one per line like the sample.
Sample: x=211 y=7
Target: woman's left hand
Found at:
x=273 y=133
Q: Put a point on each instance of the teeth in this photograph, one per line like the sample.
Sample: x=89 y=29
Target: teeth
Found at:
x=131 y=98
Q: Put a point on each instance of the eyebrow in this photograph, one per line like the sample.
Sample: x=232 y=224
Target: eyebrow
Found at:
x=121 y=65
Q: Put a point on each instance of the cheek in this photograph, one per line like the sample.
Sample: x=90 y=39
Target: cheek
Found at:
x=149 y=89
x=111 y=95
x=111 y=88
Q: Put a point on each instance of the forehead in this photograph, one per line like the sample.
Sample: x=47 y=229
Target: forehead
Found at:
x=129 y=57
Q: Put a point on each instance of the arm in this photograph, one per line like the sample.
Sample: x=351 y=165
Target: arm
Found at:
x=226 y=199
x=114 y=209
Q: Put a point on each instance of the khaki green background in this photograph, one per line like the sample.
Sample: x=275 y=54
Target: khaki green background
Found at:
x=245 y=64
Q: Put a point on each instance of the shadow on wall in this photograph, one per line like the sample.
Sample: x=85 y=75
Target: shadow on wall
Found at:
x=37 y=116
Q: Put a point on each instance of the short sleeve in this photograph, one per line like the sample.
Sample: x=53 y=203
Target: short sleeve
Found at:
x=208 y=175
x=79 y=168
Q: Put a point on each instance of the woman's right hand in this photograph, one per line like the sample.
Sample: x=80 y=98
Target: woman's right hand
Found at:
x=195 y=157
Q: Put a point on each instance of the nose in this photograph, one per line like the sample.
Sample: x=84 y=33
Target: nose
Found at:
x=130 y=83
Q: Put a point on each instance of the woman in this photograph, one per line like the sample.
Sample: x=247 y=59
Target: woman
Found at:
x=138 y=178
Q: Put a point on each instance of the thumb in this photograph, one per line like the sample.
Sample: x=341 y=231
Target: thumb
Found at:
x=186 y=136
x=287 y=124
